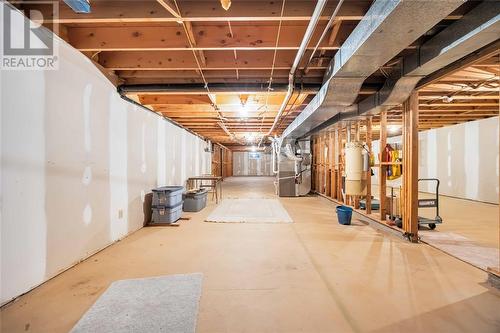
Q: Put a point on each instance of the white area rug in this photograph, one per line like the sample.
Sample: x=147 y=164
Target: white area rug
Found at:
x=250 y=211
x=462 y=248
x=159 y=304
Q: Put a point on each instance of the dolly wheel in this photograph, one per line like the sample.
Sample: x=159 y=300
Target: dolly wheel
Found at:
x=432 y=226
x=399 y=223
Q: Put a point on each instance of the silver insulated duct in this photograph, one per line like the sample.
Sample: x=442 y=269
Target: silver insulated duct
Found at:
x=388 y=27
x=477 y=29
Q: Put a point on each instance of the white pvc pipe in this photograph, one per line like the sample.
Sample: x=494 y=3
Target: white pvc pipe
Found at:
x=328 y=25
x=300 y=53
x=275 y=156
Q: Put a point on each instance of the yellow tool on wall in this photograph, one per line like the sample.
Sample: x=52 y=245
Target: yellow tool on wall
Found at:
x=395 y=168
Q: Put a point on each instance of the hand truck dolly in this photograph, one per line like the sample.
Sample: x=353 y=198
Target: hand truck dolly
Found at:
x=427 y=203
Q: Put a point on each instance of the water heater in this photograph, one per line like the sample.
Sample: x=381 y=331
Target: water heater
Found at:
x=354 y=182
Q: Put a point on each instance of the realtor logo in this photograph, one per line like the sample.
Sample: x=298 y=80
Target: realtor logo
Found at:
x=27 y=42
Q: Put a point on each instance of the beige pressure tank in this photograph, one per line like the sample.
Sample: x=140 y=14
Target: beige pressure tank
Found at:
x=354 y=182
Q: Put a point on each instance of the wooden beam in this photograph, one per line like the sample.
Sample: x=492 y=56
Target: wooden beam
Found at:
x=249 y=109
x=130 y=11
x=410 y=167
x=170 y=6
x=434 y=96
x=331 y=162
x=183 y=60
x=473 y=58
x=203 y=37
x=191 y=36
x=340 y=165
x=382 y=175
x=368 y=197
x=109 y=74
x=233 y=99
x=470 y=104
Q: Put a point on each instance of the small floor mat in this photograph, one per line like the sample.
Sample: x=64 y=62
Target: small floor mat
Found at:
x=250 y=211
x=159 y=304
x=462 y=248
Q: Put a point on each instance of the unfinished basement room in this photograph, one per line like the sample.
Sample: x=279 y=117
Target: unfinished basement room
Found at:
x=249 y=166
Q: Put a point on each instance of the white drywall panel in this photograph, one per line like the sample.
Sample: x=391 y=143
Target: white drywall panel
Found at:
x=244 y=165
x=77 y=162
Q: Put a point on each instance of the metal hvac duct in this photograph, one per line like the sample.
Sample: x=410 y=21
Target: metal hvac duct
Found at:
x=388 y=27
x=478 y=28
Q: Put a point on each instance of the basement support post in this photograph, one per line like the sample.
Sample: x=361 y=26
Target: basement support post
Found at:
x=368 y=200
x=340 y=165
x=382 y=174
x=410 y=167
x=357 y=136
x=330 y=165
x=321 y=182
x=314 y=168
x=324 y=152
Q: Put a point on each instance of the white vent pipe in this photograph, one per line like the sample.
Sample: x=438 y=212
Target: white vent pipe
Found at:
x=320 y=5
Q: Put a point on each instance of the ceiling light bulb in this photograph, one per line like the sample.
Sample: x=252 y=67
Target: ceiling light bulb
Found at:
x=225 y=4
x=393 y=128
x=243 y=100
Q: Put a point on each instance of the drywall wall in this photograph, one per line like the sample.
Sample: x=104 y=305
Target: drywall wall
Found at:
x=77 y=162
x=464 y=157
x=251 y=164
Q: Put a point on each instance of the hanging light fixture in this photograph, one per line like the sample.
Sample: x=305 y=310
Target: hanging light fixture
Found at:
x=225 y=4
x=243 y=99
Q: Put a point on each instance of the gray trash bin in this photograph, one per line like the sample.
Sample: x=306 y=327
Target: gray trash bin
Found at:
x=163 y=214
x=194 y=201
x=167 y=196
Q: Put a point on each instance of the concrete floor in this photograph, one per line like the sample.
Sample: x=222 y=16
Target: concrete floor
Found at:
x=477 y=221
x=313 y=275
x=470 y=230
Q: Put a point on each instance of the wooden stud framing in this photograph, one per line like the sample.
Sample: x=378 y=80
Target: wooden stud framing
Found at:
x=369 y=174
x=410 y=167
x=382 y=174
x=331 y=166
x=340 y=170
x=357 y=137
x=144 y=42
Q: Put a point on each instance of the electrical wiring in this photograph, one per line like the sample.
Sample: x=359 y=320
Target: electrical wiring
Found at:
x=269 y=87
x=205 y=82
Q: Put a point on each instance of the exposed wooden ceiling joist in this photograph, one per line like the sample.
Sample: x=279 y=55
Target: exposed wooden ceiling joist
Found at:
x=183 y=60
x=206 y=37
x=123 y=11
x=190 y=42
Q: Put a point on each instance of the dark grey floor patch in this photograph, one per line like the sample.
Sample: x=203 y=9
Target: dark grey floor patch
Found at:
x=158 y=304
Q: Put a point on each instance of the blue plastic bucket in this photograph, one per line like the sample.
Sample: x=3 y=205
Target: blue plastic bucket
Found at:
x=344 y=215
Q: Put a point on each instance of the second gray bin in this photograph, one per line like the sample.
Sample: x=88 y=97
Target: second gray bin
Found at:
x=195 y=201
x=167 y=214
x=168 y=196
